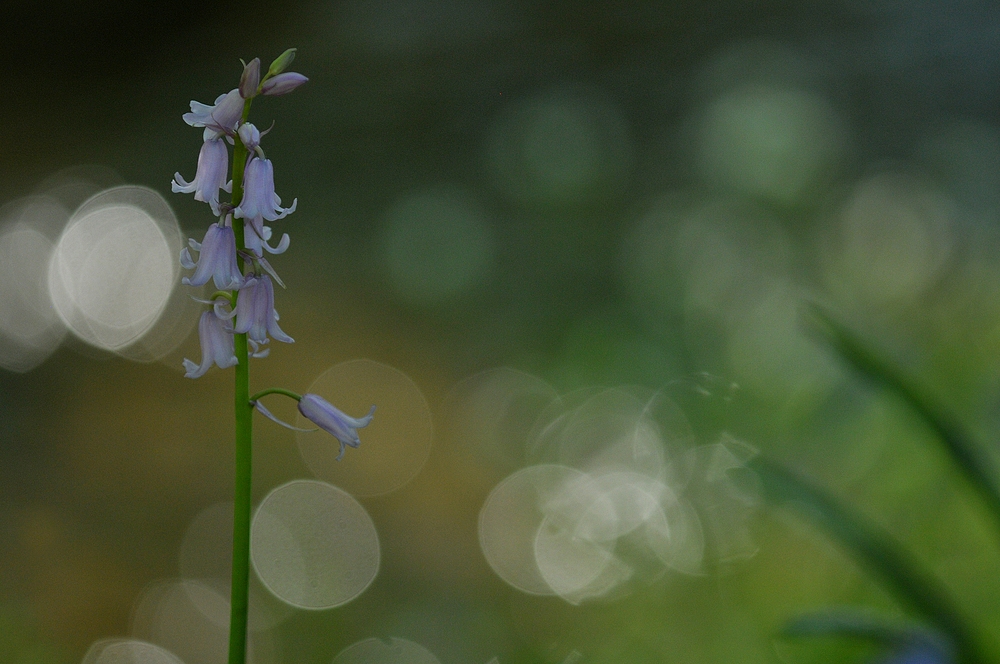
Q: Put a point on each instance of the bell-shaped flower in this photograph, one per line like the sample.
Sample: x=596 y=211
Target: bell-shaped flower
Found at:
x=256 y=239
x=213 y=162
x=218 y=119
x=282 y=84
x=216 y=336
x=216 y=259
x=255 y=314
x=259 y=200
x=332 y=420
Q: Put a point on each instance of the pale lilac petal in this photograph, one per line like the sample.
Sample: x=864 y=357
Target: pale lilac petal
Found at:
x=213 y=163
x=217 y=260
x=255 y=314
x=266 y=413
x=218 y=119
x=216 y=346
x=332 y=420
x=259 y=199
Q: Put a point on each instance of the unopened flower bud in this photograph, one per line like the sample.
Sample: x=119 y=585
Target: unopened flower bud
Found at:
x=282 y=84
x=281 y=63
x=250 y=79
x=250 y=136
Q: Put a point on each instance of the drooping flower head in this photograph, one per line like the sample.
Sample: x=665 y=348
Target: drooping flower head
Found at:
x=216 y=336
x=218 y=119
x=259 y=200
x=216 y=259
x=213 y=162
x=255 y=314
x=331 y=419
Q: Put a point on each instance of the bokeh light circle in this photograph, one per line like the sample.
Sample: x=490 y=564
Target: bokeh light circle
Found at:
x=510 y=520
x=30 y=330
x=191 y=619
x=128 y=651
x=394 y=447
x=206 y=555
x=114 y=268
x=313 y=545
x=396 y=651
x=491 y=414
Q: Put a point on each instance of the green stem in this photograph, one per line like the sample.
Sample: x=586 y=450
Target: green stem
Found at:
x=239 y=598
x=276 y=390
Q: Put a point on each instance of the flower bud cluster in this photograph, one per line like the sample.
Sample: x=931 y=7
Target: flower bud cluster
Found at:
x=241 y=273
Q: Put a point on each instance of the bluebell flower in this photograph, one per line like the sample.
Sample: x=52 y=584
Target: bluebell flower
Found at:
x=213 y=162
x=219 y=119
x=216 y=336
x=259 y=200
x=255 y=314
x=216 y=259
x=329 y=418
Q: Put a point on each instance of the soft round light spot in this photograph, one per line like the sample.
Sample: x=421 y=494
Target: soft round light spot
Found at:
x=436 y=245
x=128 y=651
x=206 y=555
x=191 y=619
x=313 y=545
x=572 y=566
x=29 y=328
x=115 y=267
x=613 y=431
x=563 y=147
x=396 y=651
x=491 y=414
x=895 y=238
x=394 y=447
x=510 y=520
x=775 y=144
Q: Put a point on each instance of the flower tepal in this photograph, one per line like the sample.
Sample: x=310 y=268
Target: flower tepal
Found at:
x=259 y=200
x=219 y=119
x=255 y=314
x=213 y=162
x=216 y=338
x=216 y=259
x=331 y=419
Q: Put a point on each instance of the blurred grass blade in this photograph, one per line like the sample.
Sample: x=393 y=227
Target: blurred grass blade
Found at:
x=876 y=550
x=864 y=624
x=957 y=441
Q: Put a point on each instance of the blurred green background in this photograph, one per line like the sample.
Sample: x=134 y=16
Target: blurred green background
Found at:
x=595 y=194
